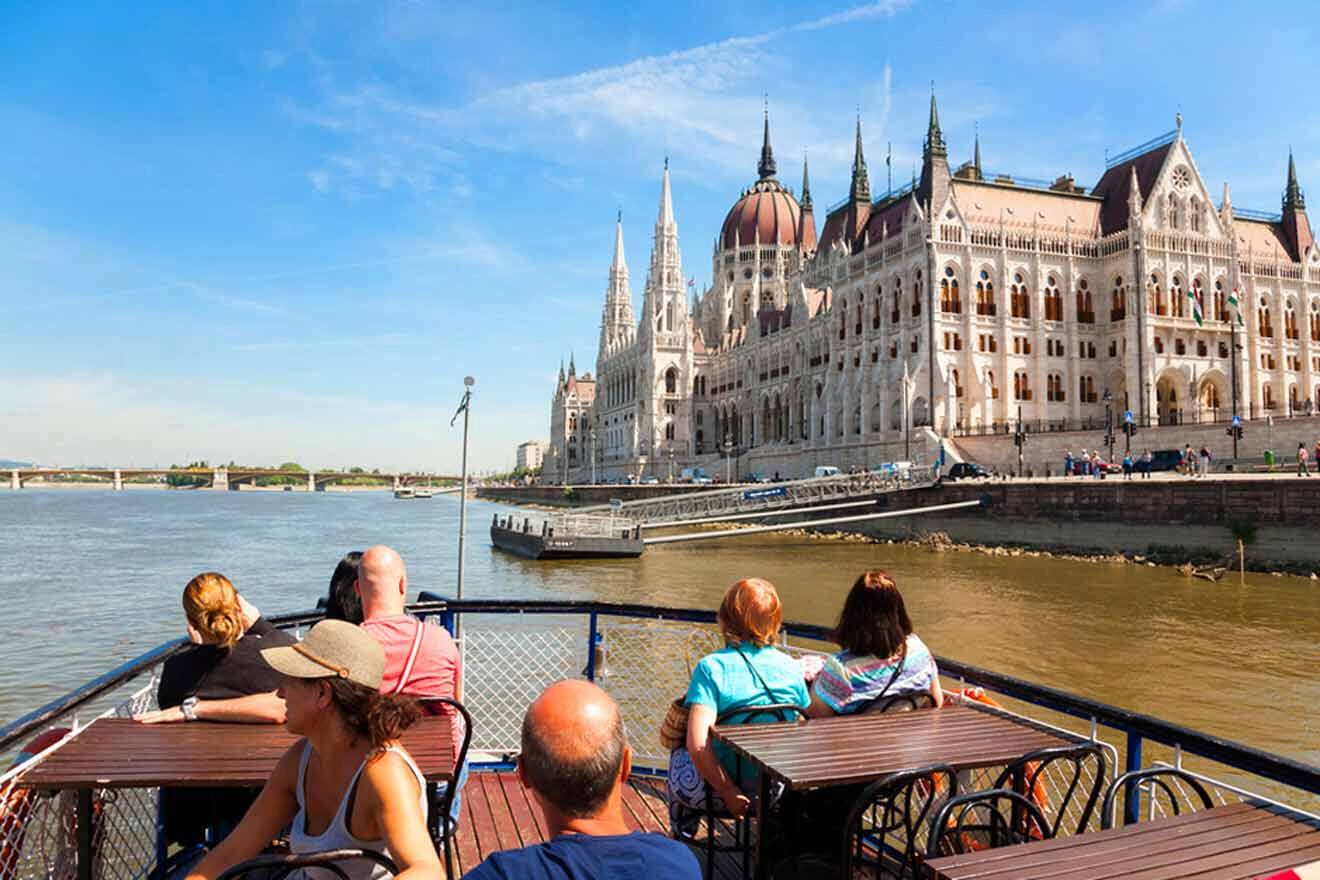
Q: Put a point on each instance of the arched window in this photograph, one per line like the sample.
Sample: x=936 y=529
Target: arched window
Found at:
x=1085 y=307
x=1267 y=395
x=671 y=380
x=875 y=309
x=1315 y=327
x=1290 y=322
x=1021 y=386
x=916 y=295
x=1053 y=301
x=1194 y=215
x=990 y=380
x=1174 y=219
x=950 y=301
x=1158 y=304
x=1054 y=392
x=1086 y=389
x=1263 y=325
x=1221 y=302
x=1177 y=298
x=1019 y=298
x=985 y=295
x=1118 y=301
x=957 y=383
x=898 y=296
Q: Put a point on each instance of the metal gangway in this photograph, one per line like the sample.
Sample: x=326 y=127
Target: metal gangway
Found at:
x=753 y=499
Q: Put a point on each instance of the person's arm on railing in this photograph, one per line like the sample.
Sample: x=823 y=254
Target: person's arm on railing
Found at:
x=701 y=718
x=273 y=809
x=251 y=709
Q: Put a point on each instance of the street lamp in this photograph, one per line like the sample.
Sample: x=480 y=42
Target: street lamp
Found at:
x=466 y=408
x=728 y=458
x=1109 y=424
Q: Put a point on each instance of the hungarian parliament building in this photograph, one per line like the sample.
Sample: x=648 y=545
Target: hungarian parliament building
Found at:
x=962 y=303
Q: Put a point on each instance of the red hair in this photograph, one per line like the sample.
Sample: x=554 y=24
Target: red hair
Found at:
x=751 y=612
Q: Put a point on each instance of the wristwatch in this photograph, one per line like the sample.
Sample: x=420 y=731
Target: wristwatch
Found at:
x=189 y=709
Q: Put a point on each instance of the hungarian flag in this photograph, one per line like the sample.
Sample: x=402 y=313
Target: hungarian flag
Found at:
x=1237 y=307
x=1194 y=294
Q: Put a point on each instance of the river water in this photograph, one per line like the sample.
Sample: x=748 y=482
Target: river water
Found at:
x=93 y=577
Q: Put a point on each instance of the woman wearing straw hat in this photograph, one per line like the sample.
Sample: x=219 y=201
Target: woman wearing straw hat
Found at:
x=347 y=783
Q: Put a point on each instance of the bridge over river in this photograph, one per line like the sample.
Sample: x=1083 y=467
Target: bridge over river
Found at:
x=221 y=477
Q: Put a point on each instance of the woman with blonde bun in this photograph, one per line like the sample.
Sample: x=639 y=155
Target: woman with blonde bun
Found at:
x=221 y=677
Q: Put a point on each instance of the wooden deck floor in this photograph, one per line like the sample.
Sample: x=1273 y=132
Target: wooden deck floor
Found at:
x=499 y=814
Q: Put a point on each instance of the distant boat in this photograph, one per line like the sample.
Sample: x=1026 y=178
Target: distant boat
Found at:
x=405 y=492
x=422 y=492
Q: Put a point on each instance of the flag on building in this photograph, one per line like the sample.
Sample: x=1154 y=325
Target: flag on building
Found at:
x=1194 y=294
x=1237 y=306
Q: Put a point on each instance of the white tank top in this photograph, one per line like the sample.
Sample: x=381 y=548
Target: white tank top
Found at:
x=336 y=834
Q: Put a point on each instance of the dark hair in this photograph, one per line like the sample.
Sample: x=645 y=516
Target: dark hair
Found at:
x=369 y=713
x=874 y=620
x=578 y=785
x=343 y=602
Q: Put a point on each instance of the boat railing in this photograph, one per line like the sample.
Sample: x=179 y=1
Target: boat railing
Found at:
x=581 y=525
x=643 y=656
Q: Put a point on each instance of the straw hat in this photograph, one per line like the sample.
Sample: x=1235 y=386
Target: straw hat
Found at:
x=333 y=648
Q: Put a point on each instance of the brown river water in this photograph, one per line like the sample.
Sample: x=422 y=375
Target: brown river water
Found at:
x=93 y=577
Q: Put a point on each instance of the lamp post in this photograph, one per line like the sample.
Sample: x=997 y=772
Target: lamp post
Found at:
x=1019 y=440
x=462 y=520
x=591 y=437
x=728 y=458
x=1109 y=424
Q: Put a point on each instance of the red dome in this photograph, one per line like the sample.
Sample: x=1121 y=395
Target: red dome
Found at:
x=769 y=210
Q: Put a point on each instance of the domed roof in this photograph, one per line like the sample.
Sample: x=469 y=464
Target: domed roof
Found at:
x=767 y=212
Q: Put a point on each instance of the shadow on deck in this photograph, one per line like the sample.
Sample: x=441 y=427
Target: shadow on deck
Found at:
x=498 y=813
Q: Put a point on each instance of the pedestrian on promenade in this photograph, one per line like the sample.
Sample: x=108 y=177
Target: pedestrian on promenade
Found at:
x=1097 y=465
x=1083 y=465
x=1068 y=462
x=1205 y=461
x=1146 y=459
x=1302 y=469
x=1127 y=466
x=1189 y=461
x=1317 y=451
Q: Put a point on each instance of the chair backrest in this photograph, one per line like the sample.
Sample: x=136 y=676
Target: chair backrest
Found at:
x=278 y=866
x=439 y=814
x=1064 y=781
x=986 y=820
x=889 y=817
x=1177 y=787
x=773 y=711
x=908 y=702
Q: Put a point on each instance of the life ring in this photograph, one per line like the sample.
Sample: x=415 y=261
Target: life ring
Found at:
x=1038 y=794
x=18 y=805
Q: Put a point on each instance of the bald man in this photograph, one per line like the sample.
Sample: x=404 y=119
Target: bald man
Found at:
x=420 y=660
x=575 y=761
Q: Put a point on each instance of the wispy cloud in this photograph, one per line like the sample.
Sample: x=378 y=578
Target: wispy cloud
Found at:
x=696 y=103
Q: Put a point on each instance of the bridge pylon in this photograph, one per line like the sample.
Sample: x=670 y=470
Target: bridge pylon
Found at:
x=119 y=481
x=311 y=482
x=14 y=481
x=220 y=478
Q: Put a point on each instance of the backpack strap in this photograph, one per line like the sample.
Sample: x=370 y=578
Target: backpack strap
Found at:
x=413 y=651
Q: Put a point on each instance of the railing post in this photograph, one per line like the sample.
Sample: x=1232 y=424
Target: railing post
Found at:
x=1131 y=804
x=593 y=639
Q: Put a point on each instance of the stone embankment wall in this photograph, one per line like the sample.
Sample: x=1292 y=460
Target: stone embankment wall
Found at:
x=1047 y=450
x=1194 y=519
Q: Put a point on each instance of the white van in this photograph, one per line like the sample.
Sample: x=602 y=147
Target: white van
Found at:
x=827 y=470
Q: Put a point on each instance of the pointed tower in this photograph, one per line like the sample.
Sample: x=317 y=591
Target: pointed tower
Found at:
x=617 y=322
x=665 y=301
x=766 y=167
x=806 y=231
x=1296 y=226
x=859 y=193
x=934 y=185
x=665 y=399
x=976 y=157
x=1134 y=195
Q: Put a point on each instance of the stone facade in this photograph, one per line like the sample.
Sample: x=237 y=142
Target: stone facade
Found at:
x=961 y=303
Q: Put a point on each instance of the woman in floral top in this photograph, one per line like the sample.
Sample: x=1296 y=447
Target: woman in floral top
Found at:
x=881 y=656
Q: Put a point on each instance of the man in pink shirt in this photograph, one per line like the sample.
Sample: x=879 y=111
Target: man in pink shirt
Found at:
x=420 y=660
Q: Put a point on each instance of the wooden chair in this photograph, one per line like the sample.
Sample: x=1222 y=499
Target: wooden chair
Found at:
x=1162 y=780
x=442 y=830
x=986 y=820
x=1041 y=776
x=718 y=818
x=277 y=867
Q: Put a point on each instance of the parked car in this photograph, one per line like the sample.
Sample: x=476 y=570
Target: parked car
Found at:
x=650 y=480
x=694 y=475
x=1163 y=459
x=826 y=470
x=755 y=477
x=968 y=470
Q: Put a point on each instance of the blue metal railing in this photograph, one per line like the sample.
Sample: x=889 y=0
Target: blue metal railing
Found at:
x=1249 y=214
x=1138 y=728
x=1166 y=138
x=1014 y=180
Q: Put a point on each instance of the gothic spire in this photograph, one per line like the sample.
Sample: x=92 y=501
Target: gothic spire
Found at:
x=861 y=183
x=934 y=137
x=618 y=263
x=976 y=157
x=806 y=185
x=572 y=367
x=766 y=167
x=1293 y=199
x=666 y=217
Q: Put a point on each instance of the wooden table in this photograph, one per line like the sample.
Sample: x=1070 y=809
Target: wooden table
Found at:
x=121 y=753
x=1234 y=842
x=848 y=749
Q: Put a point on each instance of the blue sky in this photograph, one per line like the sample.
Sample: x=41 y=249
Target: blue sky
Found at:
x=275 y=231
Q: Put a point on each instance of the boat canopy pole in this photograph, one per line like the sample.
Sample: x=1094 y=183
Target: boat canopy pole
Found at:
x=754 y=514
x=779 y=527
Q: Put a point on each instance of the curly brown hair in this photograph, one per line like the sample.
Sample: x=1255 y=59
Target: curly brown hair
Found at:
x=368 y=713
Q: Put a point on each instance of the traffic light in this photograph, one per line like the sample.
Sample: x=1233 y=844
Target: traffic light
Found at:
x=1238 y=428
x=1129 y=429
